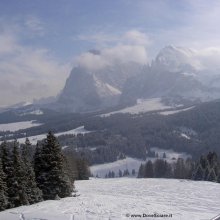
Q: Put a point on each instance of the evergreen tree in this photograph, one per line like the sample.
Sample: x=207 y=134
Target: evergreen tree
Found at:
x=148 y=171
x=126 y=172
x=16 y=180
x=49 y=170
x=109 y=174
x=169 y=171
x=5 y=156
x=83 y=169
x=120 y=173
x=141 y=171
x=3 y=189
x=113 y=174
x=34 y=194
x=133 y=172
x=160 y=168
x=179 y=169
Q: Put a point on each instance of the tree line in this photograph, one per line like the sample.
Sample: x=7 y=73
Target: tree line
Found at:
x=206 y=168
x=27 y=177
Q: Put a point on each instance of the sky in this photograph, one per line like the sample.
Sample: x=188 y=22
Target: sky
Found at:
x=41 y=41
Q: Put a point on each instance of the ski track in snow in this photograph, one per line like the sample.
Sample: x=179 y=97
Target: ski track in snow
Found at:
x=104 y=199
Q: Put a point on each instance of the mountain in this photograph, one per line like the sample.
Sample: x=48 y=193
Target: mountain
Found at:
x=173 y=73
x=91 y=91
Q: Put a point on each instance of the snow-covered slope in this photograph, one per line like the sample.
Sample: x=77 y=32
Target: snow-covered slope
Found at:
x=129 y=163
x=18 y=125
x=36 y=138
x=142 y=106
x=171 y=112
x=122 y=198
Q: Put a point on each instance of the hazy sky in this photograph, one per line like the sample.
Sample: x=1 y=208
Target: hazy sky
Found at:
x=41 y=40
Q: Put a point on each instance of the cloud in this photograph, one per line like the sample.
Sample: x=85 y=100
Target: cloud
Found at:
x=209 y=58
x=35 y=25
x=113 y=55
x=27 y=72
x=130 y=37
x=126 y=47
x=137 y=38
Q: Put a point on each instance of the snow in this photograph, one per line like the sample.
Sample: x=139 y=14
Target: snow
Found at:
x=142 y=106
x=105 y=89
x=79 y=130
x=171 y=112
x=185 y=136
x=128 y=163
x=34 y=112
x=170 y=154
x=132 y=163
x=15 y=126
x=36 y=138
x=120 y=198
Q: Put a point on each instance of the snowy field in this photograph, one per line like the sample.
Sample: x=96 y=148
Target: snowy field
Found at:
x=18 y=125
x=36 y=138
x=131 y=163
x=120 y=198
x=142 y=106
x=171 y=112
x=128 y=163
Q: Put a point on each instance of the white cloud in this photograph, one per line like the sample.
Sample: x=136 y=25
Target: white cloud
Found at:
x=113 y=55
x=27 y=72
x=209 y=58
x=35 y=25
x=7 y=43
x=128 y=47
x=131 y=37
x=137 y=38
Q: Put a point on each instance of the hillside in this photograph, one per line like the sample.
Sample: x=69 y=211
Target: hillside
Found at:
x=119 y=198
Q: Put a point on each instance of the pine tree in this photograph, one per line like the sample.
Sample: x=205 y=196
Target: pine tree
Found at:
x=149 y=172
x=179 y=169
x=49 y=170
x=83 y=169
x=160 y=168
x=133 y=172
x=120 y=173
x=16 y=180
x=109 y=174
x=3 y=189
x=7 y=166
x=34 y=194
x=113 y=174
x=5 y=156
x=141 y=171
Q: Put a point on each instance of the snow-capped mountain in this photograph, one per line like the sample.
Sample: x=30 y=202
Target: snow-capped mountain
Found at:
x=90 y=91
x=176 y=59
x=175 y=73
